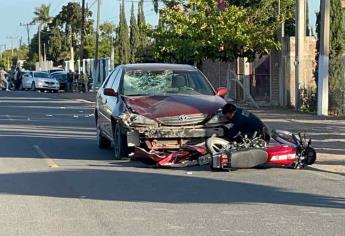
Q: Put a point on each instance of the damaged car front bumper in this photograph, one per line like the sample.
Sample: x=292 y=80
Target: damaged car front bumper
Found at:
x=170 y=137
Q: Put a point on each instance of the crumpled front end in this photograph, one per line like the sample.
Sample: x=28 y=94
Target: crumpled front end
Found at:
x=156 y=135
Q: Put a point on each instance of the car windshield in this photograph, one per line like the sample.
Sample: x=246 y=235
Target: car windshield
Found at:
x=42 y=75
x=165 y=82
x=59 y=76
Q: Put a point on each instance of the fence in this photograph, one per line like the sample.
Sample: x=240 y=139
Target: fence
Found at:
x=98 y=74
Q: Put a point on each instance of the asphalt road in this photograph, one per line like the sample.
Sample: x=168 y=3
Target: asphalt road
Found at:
x=55 y=181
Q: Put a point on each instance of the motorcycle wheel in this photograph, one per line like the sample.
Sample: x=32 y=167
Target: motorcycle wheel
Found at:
x=310 y=156
x=217 y=145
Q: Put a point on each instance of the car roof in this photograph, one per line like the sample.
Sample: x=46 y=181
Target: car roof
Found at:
x=159 y=66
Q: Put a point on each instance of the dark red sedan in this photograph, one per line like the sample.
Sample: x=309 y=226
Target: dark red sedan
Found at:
x=157 y=107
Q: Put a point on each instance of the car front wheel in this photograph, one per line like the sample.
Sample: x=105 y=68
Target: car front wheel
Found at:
x=120 y=143
x=102 y=142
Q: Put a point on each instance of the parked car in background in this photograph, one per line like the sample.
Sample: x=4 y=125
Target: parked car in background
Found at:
x=37 y=80
x=60 y=76
x=157 y=107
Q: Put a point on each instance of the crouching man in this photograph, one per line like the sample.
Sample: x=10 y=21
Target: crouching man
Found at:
x=243 y=122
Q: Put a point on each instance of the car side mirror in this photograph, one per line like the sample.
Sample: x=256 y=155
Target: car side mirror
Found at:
x=110 y=92
x=222 y=92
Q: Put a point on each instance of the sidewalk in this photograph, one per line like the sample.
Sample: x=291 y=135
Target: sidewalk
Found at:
x=328 y=134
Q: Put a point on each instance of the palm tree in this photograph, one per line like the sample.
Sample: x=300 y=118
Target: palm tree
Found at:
x=42 y=18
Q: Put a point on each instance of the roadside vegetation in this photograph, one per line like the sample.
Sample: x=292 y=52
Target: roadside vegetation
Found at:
x=189 y=31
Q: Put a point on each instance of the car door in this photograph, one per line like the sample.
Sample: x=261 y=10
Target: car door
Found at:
x=28 y=80
x=104 y=115
x=31 y=78
x=112 y=102
x=25 y=80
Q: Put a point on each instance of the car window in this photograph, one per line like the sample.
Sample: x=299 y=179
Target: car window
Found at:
x=110 y=80
x=41 y=75
x=59 y=76
x=117 y=81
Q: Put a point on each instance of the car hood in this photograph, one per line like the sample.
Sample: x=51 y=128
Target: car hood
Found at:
x=166 y=106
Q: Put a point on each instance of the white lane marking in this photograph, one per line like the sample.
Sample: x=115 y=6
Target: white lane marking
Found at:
x=51 y=163
x=9 y=117
x=85 y=101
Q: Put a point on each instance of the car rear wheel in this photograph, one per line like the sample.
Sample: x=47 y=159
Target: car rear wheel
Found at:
x=120 y=143
x=102 y=142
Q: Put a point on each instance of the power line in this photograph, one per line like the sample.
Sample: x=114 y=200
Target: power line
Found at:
x=93 y=3
x=27 y=26
x=12 y=38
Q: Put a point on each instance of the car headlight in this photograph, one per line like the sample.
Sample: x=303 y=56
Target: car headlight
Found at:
x=137 y=120
x=218 y=118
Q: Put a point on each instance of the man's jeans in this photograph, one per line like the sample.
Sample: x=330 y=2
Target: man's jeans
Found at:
x=6 y=83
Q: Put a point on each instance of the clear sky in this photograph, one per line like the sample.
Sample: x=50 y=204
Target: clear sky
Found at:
x=14 y=12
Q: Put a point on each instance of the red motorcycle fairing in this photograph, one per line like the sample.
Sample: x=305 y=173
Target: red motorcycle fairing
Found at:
x=281 y=155
x=186 y=156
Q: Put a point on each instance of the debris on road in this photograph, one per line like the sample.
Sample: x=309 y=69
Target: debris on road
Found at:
x=290 y=150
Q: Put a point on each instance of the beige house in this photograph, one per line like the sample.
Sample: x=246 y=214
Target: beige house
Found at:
x=260 y=79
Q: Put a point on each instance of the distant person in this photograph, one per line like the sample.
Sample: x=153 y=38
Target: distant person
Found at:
x=70 y=78
x=18 y=78
x=243 y=122
x=84 y=80
x=76 y=82
x=3 y=79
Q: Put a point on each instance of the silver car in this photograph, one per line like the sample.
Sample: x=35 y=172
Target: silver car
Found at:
x=38 y=80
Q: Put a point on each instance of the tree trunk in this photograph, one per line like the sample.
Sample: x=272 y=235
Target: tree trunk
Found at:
x=39 y=47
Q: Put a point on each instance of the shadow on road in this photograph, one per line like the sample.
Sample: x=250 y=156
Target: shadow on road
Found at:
x=153 y=187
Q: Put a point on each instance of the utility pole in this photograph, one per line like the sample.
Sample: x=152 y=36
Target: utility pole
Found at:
x=282 y=80
x=2 y=45
x=95 y=80
x=44 y=53
x=112 y=49
x=82 y=29
x=39 y=47
x=299 y=61
x=71 y=49
x=27 y=26
x=323 y=72
x=12 y=38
